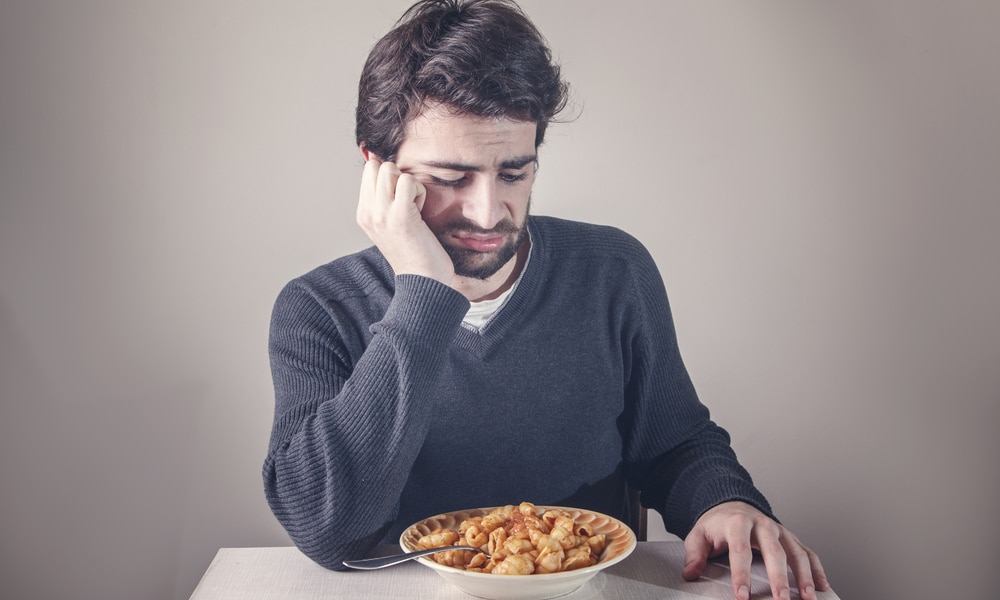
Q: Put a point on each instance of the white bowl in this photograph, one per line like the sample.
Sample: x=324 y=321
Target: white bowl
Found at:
x=620 y=543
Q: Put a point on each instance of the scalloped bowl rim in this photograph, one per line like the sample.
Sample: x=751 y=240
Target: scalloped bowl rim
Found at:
x=535 y=577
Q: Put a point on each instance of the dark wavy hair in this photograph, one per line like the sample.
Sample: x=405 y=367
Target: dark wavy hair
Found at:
x=479 y=57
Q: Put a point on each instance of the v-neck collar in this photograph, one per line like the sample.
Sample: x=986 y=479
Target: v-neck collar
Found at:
x=481 y=342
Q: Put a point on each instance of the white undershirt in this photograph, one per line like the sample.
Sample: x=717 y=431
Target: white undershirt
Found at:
x=481 y=312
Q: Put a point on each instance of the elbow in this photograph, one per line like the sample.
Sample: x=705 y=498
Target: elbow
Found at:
x=331 y=555
x=326 y=537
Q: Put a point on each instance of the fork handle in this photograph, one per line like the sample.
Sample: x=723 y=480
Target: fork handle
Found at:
x=369 y=564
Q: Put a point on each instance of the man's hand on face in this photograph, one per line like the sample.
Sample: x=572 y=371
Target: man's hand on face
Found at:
x=389 y=212
x=739 y=528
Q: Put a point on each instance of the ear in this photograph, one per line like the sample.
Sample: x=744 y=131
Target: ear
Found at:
x=366 y=153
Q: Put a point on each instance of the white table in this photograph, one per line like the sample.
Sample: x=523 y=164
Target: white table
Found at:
x=652 y=571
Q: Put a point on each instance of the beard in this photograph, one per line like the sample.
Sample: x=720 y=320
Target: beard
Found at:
x=483 y=265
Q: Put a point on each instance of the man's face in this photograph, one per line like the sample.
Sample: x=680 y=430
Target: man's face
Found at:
x=478 y=173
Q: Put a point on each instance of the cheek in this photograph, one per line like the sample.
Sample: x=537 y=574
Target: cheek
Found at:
x=516 y=200
x=437 y=204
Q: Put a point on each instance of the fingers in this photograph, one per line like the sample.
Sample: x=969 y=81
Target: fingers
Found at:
x=799 y=562
x=819 y=573
x=721 y=529
x=385 y=185
x=775 y=559
x=738 y=535
x=696 y=550
x=370 y=174
x=408 y=189
x=389 y=211
x=367 y=199
x=783 y=551
x=388 y=195
x=807 y=569
x=741 y=529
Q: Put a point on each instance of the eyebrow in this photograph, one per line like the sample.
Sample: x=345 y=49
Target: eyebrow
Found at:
x=518 y=162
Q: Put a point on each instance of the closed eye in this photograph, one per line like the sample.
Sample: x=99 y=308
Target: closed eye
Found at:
x=448 y=182
x=513 y=177
x=505 y=177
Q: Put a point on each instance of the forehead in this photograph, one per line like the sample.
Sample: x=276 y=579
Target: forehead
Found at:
x=439 y=133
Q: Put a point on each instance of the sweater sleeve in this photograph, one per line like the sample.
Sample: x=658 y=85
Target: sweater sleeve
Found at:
x=345 y=435
x=676 y=455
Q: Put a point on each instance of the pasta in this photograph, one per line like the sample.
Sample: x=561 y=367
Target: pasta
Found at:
x=516 y=540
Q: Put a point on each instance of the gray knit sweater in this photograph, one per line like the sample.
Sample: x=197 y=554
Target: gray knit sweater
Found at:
x=389 y=410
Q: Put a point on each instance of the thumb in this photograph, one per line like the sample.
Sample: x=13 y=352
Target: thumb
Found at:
x=696 y=549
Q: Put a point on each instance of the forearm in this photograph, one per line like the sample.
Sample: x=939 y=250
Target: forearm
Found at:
x=342 y=447
x=333 y=484
x=679 y=458
x=695 y=476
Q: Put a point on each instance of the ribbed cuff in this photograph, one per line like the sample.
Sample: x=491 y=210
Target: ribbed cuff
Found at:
x=719 y=490
x=425 y=309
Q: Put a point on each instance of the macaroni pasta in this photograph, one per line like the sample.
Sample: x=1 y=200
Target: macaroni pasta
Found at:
x=516 y=540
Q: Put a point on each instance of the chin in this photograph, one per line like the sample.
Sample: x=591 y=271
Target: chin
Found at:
x=477 y=265
x=483 y=265
x=481 y=272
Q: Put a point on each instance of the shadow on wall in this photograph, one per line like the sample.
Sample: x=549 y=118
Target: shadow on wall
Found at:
x=93 y=482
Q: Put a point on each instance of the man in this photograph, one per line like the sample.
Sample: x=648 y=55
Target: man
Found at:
x=479 y=356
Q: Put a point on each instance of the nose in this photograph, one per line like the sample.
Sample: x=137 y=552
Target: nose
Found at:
x=482 y=205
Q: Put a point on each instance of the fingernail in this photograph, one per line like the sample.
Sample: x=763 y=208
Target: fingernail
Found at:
x=743 y=593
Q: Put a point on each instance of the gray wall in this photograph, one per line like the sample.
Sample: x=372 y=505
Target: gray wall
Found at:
x=818 y=182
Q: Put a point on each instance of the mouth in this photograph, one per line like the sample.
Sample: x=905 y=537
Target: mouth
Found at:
x=478 y=242
x=480 y=253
